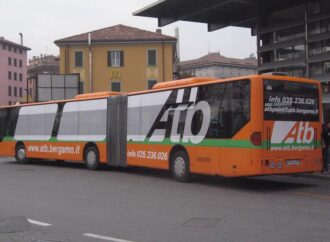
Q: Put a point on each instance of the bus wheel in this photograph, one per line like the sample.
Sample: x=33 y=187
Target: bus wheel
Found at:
x=20 y=154
x=92 y=158
x=180 y=166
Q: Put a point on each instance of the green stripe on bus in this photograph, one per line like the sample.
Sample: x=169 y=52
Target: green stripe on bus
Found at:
x=8 y=138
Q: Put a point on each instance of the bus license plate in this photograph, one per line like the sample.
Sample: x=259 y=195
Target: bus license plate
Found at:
x=293 y=162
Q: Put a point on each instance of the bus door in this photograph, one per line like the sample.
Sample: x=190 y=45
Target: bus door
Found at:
x=291 y=123
x=117 y=131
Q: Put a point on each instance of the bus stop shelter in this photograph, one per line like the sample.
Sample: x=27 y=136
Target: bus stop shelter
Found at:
x=216 y=14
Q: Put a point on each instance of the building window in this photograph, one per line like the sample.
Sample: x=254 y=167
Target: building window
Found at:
x=152 y=57
x=318 y=27
x=15 y=62
x=9 y=91
x=320 y=68
x=9 y=47
x=9 y=103
x=20 y=77
x=9 y=61
x=115 y=58
x=20 y=51
x=15 y=49
x=320 y=47
x=20 y=92
x=3 y=46
x=78 y=59
x=115 y=86
x=326 y=67
x=15 y=91
x=20 y=63
x=15 y=76
x=151 y=83
x=290 y=34
x=9 y=75
x=289 y=53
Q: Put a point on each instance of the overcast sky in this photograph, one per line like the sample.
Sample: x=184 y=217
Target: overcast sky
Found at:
x=44 y=21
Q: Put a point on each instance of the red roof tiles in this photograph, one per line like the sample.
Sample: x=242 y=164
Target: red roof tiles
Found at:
x=216 y=58
x=117 y=33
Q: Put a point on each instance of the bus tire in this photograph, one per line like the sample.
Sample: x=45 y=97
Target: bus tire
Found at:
x=180 y=167
x=20 y=154
x=92 y=161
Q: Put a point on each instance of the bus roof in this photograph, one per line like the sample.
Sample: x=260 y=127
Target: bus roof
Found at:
x=175 y=84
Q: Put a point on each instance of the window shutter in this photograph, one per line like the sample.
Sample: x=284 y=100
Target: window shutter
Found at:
x=109 y=58
x=78 y=56
x=121 y=58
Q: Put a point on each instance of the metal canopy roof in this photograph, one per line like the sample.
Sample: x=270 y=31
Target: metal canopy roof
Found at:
x=216 y=13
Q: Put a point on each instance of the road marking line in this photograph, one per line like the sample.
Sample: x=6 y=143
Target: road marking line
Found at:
x=38 y=222
x=315 y=195
x=96 y=236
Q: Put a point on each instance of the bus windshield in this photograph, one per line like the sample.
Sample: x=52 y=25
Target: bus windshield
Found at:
x=290 y=101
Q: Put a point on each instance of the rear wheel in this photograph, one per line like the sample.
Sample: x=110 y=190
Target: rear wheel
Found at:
x=20 y=154
x=180 y=166
x=92 y=158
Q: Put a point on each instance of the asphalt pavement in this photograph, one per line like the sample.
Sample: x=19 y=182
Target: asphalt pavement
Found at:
x=63 y=202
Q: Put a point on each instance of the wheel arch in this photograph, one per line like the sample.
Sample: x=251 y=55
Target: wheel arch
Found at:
x=88 y=145
x=18 y=143
x=175 y=149
x=25 y=160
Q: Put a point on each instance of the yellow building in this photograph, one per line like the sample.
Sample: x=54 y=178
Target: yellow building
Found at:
x=118 y=58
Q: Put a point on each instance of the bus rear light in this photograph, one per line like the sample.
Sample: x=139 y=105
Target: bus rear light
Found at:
x=256 y=138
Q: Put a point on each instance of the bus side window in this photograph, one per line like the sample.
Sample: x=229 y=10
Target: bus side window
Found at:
x=11 y=121
x=226 y=112
x=230 y=108
x=3 y=114
x=240 y=106
x=213 y=95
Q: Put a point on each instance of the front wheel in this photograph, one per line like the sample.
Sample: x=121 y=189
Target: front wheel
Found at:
x=180 y=166
x=20 y=154
x=92 y=158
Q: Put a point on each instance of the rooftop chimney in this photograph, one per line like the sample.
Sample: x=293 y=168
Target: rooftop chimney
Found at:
x=158 y=31
x=21 y=38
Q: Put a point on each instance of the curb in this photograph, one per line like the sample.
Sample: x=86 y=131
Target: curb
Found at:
x=319 y=176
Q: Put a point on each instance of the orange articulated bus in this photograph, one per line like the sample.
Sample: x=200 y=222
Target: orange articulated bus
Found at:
x=246 y=126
